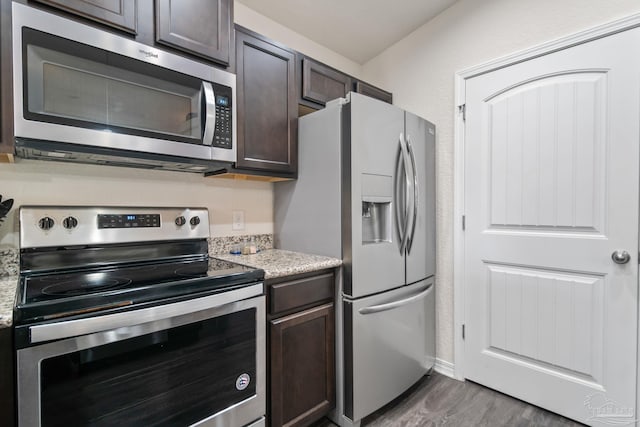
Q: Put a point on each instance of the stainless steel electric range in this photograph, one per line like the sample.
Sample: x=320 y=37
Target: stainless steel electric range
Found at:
x=122 y=319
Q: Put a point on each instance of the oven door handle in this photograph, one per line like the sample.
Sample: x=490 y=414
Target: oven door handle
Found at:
x=72 y=328
x=209 y=106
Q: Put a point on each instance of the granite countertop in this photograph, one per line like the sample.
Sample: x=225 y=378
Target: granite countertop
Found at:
x=279 y=263
x=8 y=286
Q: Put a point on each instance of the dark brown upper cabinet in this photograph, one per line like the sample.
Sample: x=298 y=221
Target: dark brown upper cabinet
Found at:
x=199 y=27
x=266 y=105
x=373 y=92
x=321 y=83
x=120 y=14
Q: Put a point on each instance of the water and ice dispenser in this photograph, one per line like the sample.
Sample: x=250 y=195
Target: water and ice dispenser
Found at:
x=376 y=221
x=376 y=208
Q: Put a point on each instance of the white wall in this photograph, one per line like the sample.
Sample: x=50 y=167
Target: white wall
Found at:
x=261 y=24
x=420 y=69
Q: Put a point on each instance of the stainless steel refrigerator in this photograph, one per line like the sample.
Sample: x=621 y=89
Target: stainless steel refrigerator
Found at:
x=366 y=194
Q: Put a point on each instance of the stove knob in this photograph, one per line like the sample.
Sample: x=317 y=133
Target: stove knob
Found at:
x=46 y=223
x=194 y=220
x=69 y=222
x=180 y=221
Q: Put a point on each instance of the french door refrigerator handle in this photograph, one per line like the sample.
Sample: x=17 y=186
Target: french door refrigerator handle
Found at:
x=411 y=229
x=401 y=211
x=210 y=113
x=408 y=200
x=395 y=304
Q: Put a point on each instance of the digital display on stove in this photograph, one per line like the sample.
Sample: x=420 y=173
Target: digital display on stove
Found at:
x=129 y=221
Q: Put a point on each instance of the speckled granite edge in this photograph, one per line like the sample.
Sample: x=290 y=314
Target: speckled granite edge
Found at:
x=280 y=263
x=8 y=285
x=9 y=262
x=222 y=245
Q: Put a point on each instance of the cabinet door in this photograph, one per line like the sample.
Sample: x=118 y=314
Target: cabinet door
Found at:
x=302 y=367
x=374 y=92
x=116 y=13
x=321 y=83
x=200 y=27
x=266 y=104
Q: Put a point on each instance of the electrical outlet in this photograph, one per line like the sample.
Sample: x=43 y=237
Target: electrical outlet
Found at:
x=238 y=220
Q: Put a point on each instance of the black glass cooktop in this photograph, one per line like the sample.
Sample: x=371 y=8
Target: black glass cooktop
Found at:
x=46 y=295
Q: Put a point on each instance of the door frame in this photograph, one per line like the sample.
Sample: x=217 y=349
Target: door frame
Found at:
x=459 y=284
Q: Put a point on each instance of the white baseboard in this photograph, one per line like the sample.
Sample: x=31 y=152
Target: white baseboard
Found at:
x=445 y=368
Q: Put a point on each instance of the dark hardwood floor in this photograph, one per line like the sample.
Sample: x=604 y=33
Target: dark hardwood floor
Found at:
x=441 y=401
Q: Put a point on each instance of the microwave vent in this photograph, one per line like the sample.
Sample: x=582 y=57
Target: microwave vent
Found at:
x=56 y=151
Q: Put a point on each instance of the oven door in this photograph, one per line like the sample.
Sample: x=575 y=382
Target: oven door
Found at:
x=193 y=362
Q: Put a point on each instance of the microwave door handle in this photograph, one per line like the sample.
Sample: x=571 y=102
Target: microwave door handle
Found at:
x=209 y=113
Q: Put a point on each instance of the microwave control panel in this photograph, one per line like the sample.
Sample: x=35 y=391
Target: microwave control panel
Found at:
x=224 y=117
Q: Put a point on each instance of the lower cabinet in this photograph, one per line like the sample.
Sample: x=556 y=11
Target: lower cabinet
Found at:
x=302 y=355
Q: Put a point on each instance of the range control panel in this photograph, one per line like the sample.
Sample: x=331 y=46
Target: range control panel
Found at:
x=128 y=220
x=51 y=226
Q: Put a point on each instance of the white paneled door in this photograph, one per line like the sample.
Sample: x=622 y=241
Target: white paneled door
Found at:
x=551 y=192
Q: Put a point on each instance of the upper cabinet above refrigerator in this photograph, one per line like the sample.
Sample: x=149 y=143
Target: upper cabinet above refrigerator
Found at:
x=319 y=83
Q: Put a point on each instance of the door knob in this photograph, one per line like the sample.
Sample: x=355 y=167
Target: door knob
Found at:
x=620 y=257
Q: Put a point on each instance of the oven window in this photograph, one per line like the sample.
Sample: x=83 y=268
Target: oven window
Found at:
x=71 y=83
x=174 y=377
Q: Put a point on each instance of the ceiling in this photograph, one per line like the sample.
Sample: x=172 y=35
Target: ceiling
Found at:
x=356 y=29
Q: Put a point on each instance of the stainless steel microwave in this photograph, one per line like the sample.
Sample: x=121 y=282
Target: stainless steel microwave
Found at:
x=88 y=95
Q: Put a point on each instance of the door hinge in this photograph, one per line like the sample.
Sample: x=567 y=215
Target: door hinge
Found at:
x=464 y=222
x=462 y=109
x=463 y=331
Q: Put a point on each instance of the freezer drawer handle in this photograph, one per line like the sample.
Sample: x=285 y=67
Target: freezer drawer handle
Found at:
x=396 y=304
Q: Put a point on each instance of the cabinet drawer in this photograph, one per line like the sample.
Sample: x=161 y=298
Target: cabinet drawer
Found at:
x=298 y=293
